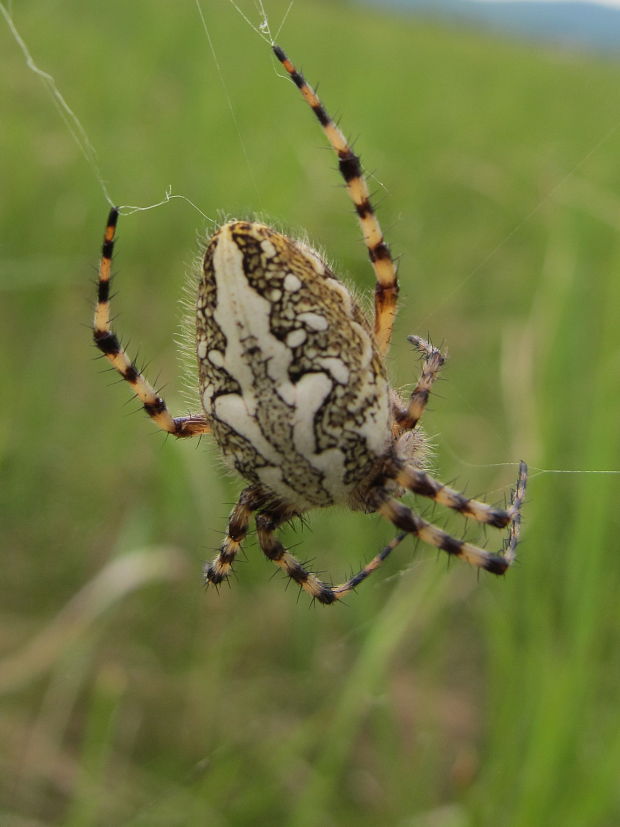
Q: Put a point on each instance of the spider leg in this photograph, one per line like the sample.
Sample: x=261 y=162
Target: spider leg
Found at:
x=108 y=343
x=266 y=525
x=386 y=291
x=408 y=417
x=220 y=567
x=407 y=520
x=419 y=482
x=353 y=582
x=516 y=503
x=410 y=523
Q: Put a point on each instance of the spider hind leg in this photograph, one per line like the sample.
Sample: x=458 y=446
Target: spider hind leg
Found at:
x=349 y=164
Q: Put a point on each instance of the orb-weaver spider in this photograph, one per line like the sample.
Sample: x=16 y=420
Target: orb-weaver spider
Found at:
x=295 y=392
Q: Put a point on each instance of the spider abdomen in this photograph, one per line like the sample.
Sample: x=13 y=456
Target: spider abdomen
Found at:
x=290 y=377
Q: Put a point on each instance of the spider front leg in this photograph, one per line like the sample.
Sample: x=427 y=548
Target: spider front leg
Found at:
x=108 y=343
x=350 y=166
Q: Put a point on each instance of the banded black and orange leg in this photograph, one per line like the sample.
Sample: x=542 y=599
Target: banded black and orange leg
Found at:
x=406 y=418
x=407 y=520
x=386 y=291
x=266 y=525
x=108 y=343
x=410 y=522
x=419 y=482
x=221 y=566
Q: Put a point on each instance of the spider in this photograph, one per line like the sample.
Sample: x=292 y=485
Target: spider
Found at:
x=295 y=392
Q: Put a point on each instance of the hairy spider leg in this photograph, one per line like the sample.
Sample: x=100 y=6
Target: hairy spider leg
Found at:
x=407 y=520
x=386 y=290
x=516 y=504
x=220 y=568
x=419 y=482
x=266 y=524
x=407 y=417
x=109 y=344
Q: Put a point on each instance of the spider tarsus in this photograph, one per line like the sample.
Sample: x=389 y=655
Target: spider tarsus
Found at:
x=211 y=577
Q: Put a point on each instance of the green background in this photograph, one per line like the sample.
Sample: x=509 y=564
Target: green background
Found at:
x=434 y=697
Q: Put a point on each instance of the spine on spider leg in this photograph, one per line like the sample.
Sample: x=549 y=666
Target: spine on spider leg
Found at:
x=386 y=291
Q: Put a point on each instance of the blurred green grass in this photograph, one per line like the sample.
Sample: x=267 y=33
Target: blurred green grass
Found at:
x=433 y=698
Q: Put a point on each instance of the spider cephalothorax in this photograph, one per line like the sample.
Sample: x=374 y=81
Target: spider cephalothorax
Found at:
x=295 y=392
